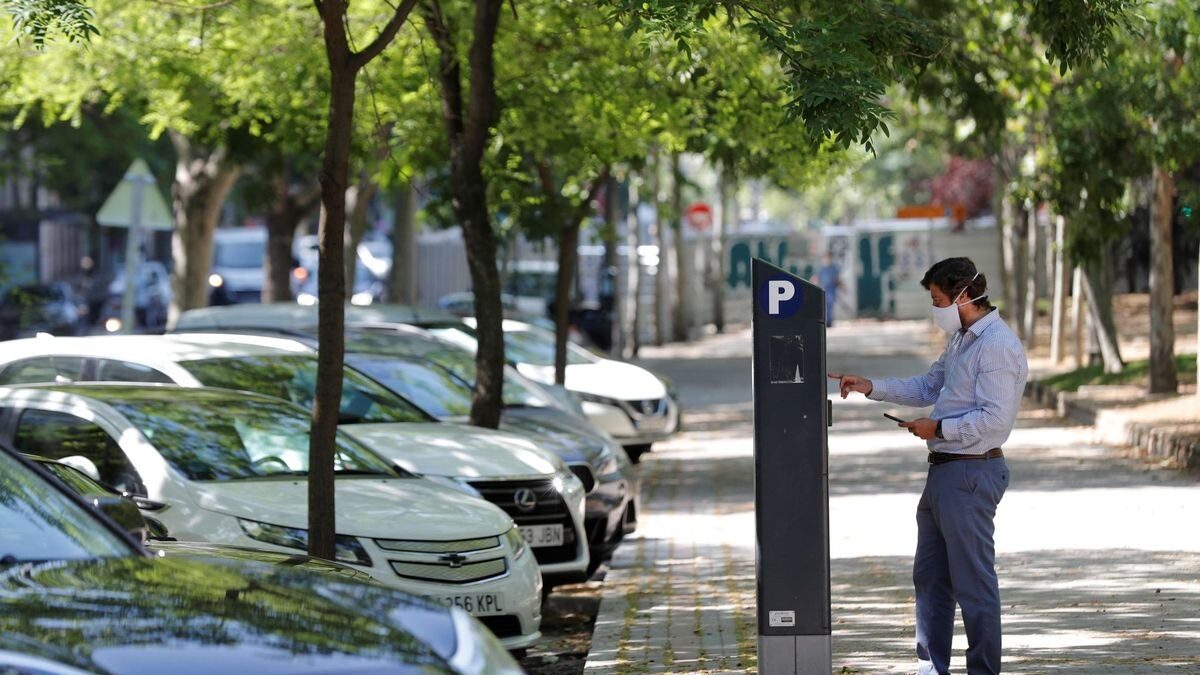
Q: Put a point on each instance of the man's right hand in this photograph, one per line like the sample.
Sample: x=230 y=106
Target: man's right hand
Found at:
x=851 y=383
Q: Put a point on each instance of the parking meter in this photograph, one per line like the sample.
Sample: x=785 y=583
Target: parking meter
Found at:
x=791 y=468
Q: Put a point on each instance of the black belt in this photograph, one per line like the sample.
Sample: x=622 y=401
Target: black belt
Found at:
x=936 y=458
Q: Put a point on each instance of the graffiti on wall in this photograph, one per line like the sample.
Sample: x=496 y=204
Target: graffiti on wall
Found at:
x=885 y=261
x=787 y=253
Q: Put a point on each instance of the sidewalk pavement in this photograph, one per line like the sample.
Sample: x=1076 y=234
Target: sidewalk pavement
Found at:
x=1098 y=554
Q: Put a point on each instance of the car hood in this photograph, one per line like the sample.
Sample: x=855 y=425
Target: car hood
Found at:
x=386 y=508
x=251 y=557
x=555 y=431
x=455 y=450
x=616 y=380
x=138 y=615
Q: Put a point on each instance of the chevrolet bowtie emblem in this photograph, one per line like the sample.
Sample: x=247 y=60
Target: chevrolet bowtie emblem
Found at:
x=455 y=560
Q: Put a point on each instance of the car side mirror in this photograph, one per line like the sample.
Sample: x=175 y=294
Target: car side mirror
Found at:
x=84 y=465
x=158 y=531
x=124 y=513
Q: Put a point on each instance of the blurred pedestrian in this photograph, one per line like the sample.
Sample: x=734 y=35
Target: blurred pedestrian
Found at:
x=975 y=389
x=829 y=278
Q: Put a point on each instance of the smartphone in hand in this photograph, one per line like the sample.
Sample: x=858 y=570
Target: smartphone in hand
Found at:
x=894 y=418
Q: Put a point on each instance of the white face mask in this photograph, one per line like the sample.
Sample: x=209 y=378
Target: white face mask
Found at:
x=947 y=318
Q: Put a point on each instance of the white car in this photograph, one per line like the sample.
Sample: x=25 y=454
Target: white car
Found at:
x=531 y=484
x=230 y=467
x=632 y=404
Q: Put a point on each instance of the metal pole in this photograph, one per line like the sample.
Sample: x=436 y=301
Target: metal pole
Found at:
x=132 y=256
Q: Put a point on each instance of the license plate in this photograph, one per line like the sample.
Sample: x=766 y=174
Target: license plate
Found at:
x=541 y=536
x=475 y=604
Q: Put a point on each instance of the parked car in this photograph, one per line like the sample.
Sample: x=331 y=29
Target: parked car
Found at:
x=503 y=468
x=123 y=509
x=237 y=273
x=634 y=405
x=41 y=308
x=229 y=467
x=152 y=297
x=613 y=499
x=78 y=596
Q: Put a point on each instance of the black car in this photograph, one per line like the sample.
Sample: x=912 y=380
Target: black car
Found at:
x=78 y=595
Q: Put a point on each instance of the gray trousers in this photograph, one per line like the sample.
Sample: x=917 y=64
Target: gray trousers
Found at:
x=956 y=563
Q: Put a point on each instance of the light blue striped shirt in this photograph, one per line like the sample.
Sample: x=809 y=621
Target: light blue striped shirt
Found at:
x=975 y=387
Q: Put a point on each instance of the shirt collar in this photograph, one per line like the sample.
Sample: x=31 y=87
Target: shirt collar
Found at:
x=984 y=321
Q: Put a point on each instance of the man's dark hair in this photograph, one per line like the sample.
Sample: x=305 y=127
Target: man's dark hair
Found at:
x=953 y=275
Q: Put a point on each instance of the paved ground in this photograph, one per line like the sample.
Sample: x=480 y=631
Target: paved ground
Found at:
x=1099 y=556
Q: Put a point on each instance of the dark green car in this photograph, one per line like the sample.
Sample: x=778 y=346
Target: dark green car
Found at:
x=79 y=595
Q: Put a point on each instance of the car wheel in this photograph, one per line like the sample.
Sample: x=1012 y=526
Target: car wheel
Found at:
x=636 y=451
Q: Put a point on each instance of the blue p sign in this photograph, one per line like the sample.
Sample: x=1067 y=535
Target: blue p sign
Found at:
x=779 y=297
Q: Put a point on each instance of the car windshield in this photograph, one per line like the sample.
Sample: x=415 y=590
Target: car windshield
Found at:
x=517 y=394
x=527 y=345
x=239 y=254
x=434 y=390
x=536 y=347
x=294 y=378
x=39 y=522
x=216 y=439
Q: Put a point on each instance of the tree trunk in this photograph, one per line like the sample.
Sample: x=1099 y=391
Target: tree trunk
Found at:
x=344 y=65
x=1033 y=275
x=358 y=206
x=1077 y=316
x=633 y=243
x=1058 y=306
x=1163 y=377
x=288 y=209
x=467 y=130
x=614 y=267
x=203 y=178
x=1097 y=291
x=683 y=271
x=726 y=188
x=1007 y=259
x=403 y=286
x=1019 y=252
x=659 y=235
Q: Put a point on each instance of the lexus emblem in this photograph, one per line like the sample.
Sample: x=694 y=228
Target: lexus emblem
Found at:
x=525 y=499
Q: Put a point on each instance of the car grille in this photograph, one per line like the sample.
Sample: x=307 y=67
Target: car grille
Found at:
x=584 y=473
x=649 y=407
x=548 y=508
x=444 y=561
x=420 y=546
x=443 y=572
x=505 y=626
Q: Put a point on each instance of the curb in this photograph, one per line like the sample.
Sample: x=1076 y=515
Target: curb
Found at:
x=1177 y=442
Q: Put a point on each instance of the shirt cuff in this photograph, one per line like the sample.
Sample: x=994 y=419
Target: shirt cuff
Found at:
x=878 y=390
x=950 y=430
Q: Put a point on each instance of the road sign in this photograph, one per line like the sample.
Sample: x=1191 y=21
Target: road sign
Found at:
x=791 y=474
x=134 y=204
x=118 y=210
x=699 y=216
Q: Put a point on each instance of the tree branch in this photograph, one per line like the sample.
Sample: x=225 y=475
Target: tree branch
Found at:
x=361 y=58
x=448 y=69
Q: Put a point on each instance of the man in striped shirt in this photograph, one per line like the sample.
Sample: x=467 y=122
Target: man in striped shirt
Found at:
x=975 y=388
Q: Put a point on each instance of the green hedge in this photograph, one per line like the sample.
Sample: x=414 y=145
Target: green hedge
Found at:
x=1134 y=372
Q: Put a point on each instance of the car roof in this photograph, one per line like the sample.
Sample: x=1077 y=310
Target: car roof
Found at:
x=103 y=394
x=153 y=349
x=292 y=316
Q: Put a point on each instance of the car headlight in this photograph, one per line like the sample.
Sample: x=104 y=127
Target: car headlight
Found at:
x=361 y=298
x=306 y=299
x=455 y=484
x=516 y=542
x=593 y=398
x=347 y=549
x=215 y=280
